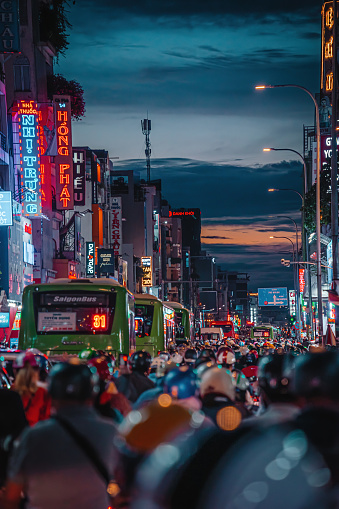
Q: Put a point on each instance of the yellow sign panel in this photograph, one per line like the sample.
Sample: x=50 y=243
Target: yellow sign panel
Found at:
x=147 y=272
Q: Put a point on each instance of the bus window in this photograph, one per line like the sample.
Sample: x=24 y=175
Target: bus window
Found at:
x=143 y=320
x=74 y=312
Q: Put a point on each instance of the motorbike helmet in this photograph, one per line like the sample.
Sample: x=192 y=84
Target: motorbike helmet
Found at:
x=171 y=347
x=180 y=383
x=273 y=377
x=226 y=358
x=207 y=353
x=217 y=381
x=25 y=358
x=250 y=372
x=158 y=366
x=141 y=361
x=164 y=355
x=42 y=361
x=88 y=353
x=74 y=382
x=103 y=367
x=316 y=375
x=190 y=356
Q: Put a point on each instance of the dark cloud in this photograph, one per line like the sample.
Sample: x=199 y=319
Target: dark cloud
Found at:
x=214 y=237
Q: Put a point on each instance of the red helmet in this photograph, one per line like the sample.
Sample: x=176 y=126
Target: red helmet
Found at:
x=224 y=349
x=104 y=369
x=226 y=357
x=25 y=358
x=250 y=371
x=255 y=353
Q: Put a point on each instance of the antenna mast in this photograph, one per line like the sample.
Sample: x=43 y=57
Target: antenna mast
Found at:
x=146 y=129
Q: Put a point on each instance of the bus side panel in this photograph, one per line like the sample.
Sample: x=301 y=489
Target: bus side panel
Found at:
x=154 y=342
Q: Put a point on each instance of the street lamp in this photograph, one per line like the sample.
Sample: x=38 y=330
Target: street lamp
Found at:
x=318 y=226
x=272 y=190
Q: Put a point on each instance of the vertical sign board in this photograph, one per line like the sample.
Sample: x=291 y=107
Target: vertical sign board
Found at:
x=147 y=271
x=302 y=280
x=79 y=173
x=29 y=158
x=9 y=26
x=6 y=214
x=106 y=262
x=46 y=120
x=327 y=23
x=116 y=225
x=90 y=259
x=291 y=294
x=64 y=159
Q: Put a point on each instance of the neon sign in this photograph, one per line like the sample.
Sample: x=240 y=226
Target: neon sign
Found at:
x=90 y=259
x=29 y=158
x=147 y=273
x=99 y=321
x=64 y=159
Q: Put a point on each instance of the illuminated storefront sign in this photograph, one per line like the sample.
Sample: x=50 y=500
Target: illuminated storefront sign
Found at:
x=181 y=213
x=147 y=273
x=106 y=262
x=9 y=26
x=4 y=320
x=64 y=159
x=46 y=127
x=327 y=22
x=292 y=302
x=29 y=158
x=90 y=259
x=116 y=225
x=302 y=280
x=6 y=214
x=79 y=172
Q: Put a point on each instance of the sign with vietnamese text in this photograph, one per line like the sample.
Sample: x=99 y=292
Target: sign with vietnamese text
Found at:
x=272 y=297
x=48 y=322
x=301 y=280
x=116 y=225
x=90 y=259
x=29 y=158
x=9 y=26
x=6 y=214
x=292 y=302
x=79 y=173
x=147 y=272
x=4 y=320
x=64 y=159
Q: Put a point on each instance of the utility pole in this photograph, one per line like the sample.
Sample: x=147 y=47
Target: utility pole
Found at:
x=146 y=129
x=334 y=162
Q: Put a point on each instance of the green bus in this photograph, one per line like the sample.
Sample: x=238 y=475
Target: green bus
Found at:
x=262 y=332
x=69 y=315
x=183 y=322
x=154 y=323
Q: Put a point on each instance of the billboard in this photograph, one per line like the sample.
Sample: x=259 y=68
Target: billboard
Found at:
x=292 y=302
x=28 y=116
x=106 y=261
x=6 y=215
x=90 y=259
x=147 y=272
x=272 y=297
x=116 y=225
x=64 y=159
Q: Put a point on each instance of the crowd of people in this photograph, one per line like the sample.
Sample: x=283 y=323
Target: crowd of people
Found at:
x=239 y=425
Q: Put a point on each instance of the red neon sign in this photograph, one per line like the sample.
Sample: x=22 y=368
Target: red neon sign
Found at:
x=28 y=228
x=64 y=159
x=99 y=321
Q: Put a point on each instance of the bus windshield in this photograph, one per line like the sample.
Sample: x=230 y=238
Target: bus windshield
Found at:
x=143 y=319
x=74 y=312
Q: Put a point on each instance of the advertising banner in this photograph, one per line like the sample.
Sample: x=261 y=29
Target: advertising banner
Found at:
x=272 y=297
x=64 y=159
x=9 y=26
x=302 y=280
x=116 y=225
x=292 y=302
x=6 y=214
x=106 y=261
x=79 y=173
x=147 y=272
x=4 y=320
x=28 y=116
x=90 y=259
x=56 y=322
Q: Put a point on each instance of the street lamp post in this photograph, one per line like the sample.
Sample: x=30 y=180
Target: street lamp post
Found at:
x=295 y=277
x=318 y=226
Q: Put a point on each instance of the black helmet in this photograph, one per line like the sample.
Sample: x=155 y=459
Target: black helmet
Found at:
x=207 y=353
x=141 y=361
x=75 y=382
x=190 y=356
x=317 y=374
x=273 y=376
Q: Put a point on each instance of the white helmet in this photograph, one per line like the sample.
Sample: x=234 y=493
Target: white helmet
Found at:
x=217 y=380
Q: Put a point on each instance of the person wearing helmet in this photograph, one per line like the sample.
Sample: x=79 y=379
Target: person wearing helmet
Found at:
x=108 y=402
x=87 y=354
x=153 y=394
x=217 y=392
x=51 y=464
x=181 y=384
x=136 y=381
x=190 y=356
x=35 y=399
x=226 y=357
x=43 y=363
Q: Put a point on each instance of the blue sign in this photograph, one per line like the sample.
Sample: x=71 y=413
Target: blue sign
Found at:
x=4 y=320
x=9 y=27
x=272 y=297
x=6 y=215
